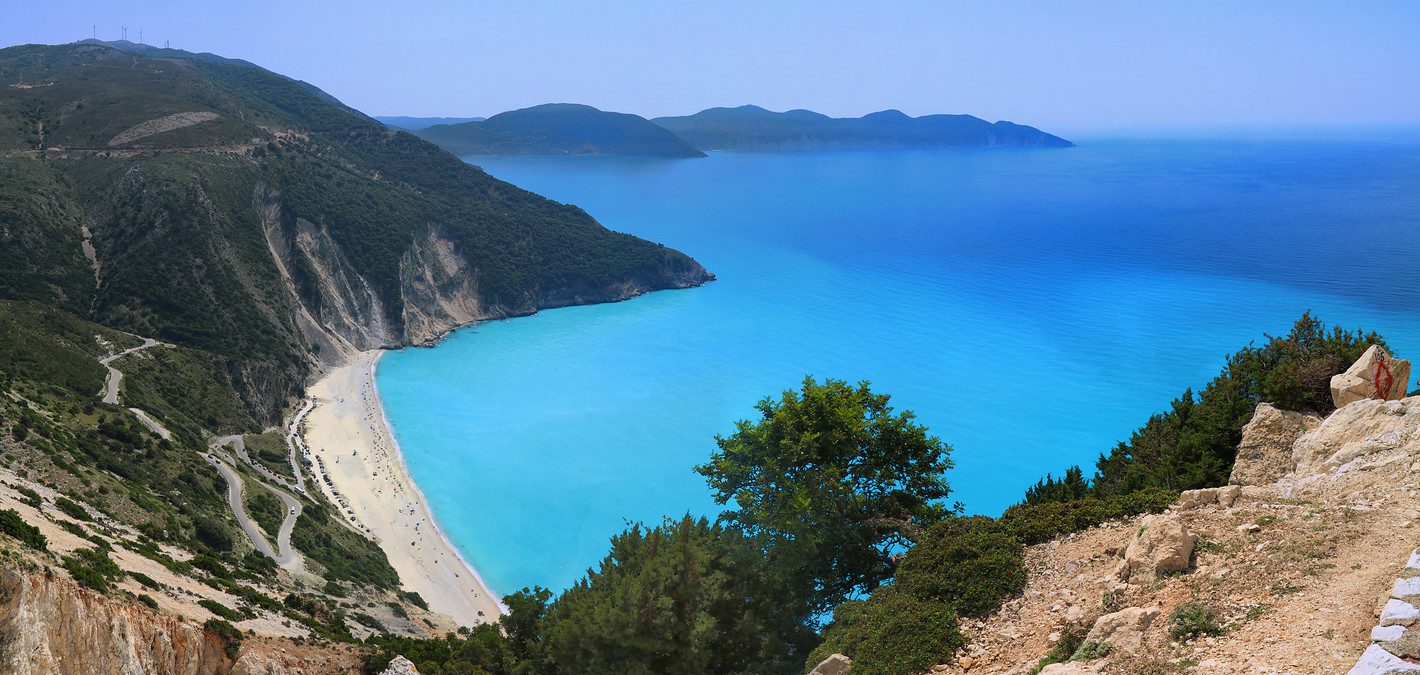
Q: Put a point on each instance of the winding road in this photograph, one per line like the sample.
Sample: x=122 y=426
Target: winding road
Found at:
x=110 y=392
x=284 y=555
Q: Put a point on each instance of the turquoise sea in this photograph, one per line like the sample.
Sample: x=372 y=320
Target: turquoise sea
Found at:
x=1033 y=307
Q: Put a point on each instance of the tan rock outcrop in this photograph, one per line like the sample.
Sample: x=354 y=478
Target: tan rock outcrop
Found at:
x=836 y=664
x=1374 y=375
x=1265 y=453
x=1124 y=629
x=52 y=626
x=1369 y=430
x=1160 y=546
x=1223 y=496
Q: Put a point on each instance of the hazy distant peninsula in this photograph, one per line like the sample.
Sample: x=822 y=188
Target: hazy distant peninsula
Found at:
x=405 y=123
x=751 y=127
x=559 y=129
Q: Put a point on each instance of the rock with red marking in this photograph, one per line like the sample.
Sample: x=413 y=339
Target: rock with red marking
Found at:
x=1374 y=375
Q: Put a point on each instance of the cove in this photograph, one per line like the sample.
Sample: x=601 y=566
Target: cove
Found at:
x=1033 y=307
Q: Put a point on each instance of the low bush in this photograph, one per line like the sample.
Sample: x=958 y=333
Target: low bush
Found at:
x=1039 y=523
x=1191 y=619
x=970 y=563
x=1092 y=649
x=12 y=524
x=230 y=636
x=220 y=609
x=71 y=509
x=891 y=633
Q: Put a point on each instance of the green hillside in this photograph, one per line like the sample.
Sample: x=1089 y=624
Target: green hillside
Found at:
x=559 y=129
x=195 y=179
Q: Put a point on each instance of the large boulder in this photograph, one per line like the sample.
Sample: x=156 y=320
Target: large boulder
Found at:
x=401 y=666
x=1265 y=453
x=1124 y=629
x=836 y=664
x=1374 y=375
x=1160 y=546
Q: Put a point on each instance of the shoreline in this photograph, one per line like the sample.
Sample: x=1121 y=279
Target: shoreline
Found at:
x=433 y=522
x=351 y=441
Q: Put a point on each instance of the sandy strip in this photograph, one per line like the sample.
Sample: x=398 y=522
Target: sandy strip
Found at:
x=347 y=432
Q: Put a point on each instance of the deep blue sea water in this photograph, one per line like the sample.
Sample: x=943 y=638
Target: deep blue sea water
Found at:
x=1033 y=307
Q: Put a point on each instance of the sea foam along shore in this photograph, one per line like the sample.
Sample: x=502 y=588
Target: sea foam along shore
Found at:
x=352 y=443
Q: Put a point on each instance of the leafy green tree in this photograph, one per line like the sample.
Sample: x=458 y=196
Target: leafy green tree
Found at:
x=523 y=623
x=830 y=483
x=1070 y=487
x=683 y=597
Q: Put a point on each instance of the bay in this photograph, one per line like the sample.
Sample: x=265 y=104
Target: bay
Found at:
x=1033 y=307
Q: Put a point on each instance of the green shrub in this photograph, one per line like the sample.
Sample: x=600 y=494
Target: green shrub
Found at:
x=86 y=576
x=30 y=497
x=92 y=568
x=891 y=633
x=71 y=509
x=211 y=566
x=971 y=564
x=1039 y=523
x=12 y=524
x=148 y=600
x=220 y=609
x=230 y=636
x=415 y=599
x=369 y=621
x=145 y=580
x=1071 y=639
x=1191 y=619
x=1091 y=649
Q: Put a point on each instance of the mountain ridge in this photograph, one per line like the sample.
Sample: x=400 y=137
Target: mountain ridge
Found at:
x=751 y=127
x=559 y=129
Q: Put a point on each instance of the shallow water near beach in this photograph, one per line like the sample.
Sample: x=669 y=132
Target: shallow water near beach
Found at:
x=1033 y=307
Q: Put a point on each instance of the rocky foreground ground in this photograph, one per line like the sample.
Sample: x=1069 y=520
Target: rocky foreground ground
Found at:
x=1296 y=573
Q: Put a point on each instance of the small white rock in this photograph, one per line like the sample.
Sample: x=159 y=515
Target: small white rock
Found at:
x=1397 y=610
x=1387 y=633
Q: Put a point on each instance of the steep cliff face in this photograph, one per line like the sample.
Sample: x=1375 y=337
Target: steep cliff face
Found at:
x=339 y=310
x=49 y=625
x=439 y=287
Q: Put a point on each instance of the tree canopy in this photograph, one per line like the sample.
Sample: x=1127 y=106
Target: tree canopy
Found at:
x=830 y=482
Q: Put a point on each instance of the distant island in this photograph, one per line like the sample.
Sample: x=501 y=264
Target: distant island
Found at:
x=751 y=127
x=559 y=129
x=571 y=129
x=404 y=123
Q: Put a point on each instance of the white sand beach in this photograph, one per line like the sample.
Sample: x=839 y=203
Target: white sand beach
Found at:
x=350 y=442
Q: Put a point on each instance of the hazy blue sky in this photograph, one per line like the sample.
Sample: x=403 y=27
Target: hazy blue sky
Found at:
x=1057 y=65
